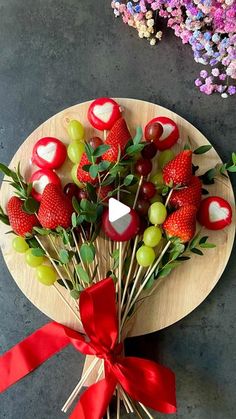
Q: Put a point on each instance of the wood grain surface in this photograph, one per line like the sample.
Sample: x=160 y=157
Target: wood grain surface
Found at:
x=179 y=293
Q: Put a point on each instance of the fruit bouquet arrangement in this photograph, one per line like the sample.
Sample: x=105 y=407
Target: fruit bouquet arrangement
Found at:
x=208 y=26
x=103 y=265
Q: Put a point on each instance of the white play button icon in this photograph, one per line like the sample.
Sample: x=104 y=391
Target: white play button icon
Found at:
x=117 y=210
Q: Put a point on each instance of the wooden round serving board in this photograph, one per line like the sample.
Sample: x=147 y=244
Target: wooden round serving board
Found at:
x=187 y=286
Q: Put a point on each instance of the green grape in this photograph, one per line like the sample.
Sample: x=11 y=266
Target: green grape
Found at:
x=145 y=256
x=75 y=150
x=20 y=245
x=164 y=157
x=75 y=130
x=156 y=198
x=46 y=274
x=157 y=213
x=74 y=176
x=32 y=260
x=157 y=179
x=152 y=236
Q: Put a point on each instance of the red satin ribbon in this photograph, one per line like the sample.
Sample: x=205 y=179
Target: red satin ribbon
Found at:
x=145 y=381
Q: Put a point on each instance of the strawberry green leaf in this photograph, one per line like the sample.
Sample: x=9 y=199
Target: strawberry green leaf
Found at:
x=5 y=170
x=89 y=152
x=128 y=180
x=76 y=205
x=103 y=165
x=74 y=220
x=203 y=149
x=42 y=231
x=91 y=191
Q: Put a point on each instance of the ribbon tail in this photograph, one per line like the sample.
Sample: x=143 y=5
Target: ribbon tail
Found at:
x=30 y=353
x=94 y=401
x=148 y=382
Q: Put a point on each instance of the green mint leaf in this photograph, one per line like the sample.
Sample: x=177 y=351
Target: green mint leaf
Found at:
x=37 y=251
x=203 y=239
x=234 y=158
x=91 y=192
x=93 y=171
x=80 y=219
x=69 y=283
x=87 y=253
x=100 y=150
x=75 y=294
x=30 y=205
x=232 y=169
x=82 y=274
x=89 y=152
x=150 y=282
x=104 y=165
x=86 y=167
x=203 y=149
x=138 y=136
x=183 y=258
x=108 y=181
x=134 y=149
x=197 y=251
x=207 y=245
x=165 y=271
x=4 y=219
x=64 y=256
x=74 y=220
x=5 y=170
x=128 y=180
x=42 y=231
x=75 y=204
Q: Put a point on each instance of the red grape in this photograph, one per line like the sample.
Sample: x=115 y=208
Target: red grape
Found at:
x=153 y=131
x=143 y=167
x=142 y=206
x=149 y=150
x=95 y=142
x=82 y=194
x=71 y=189
x=147 y=190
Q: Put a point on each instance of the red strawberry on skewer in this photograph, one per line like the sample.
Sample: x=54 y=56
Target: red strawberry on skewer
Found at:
x=188 y=195
x=214 y=213
x=55 y=208
x=178 y=172
x=181 y=223
x=82 y=175
x=117 y=140
x=20 y=221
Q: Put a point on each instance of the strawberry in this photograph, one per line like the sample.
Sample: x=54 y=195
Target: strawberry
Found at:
x=190 y=195
x=21 y=222
x=181 y=223
x=103 y=192
x=82 y=175
x=117 y=139
x=179 y=170
x=55 y=208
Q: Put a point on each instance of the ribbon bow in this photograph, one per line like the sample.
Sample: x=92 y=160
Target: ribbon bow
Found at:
x=144 y=380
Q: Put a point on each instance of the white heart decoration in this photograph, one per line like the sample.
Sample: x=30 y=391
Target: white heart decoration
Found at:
x=122 y=223
x=103 y=112
x=217 y=213
x=40 y=184
x=47 y=152
x=167 y=130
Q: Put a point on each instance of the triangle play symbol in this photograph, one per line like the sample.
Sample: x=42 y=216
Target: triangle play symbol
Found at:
x=117 y=210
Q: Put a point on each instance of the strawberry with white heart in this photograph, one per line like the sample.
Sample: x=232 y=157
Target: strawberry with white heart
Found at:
x=163 y=131
x=40 y=180
x=215 y=213
x=49 y=153
x=103 y=113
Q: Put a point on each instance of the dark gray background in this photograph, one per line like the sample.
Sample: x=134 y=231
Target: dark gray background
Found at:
x=53 y=54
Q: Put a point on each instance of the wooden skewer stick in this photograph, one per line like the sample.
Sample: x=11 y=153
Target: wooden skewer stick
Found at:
x=137 y=192
x=146 y=410
x=130 y=270
x=168 y=197
x=145 y=282
x=118 y=404
x=129 y=302
x=53 y=263
x=126 y=401
x=80 y=384
x=119 y=288
x=67 y=304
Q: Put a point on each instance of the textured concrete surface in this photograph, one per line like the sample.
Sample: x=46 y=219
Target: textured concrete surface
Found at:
x=56 y=53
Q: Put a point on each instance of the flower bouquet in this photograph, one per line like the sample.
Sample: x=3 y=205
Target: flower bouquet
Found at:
x=105 y=240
